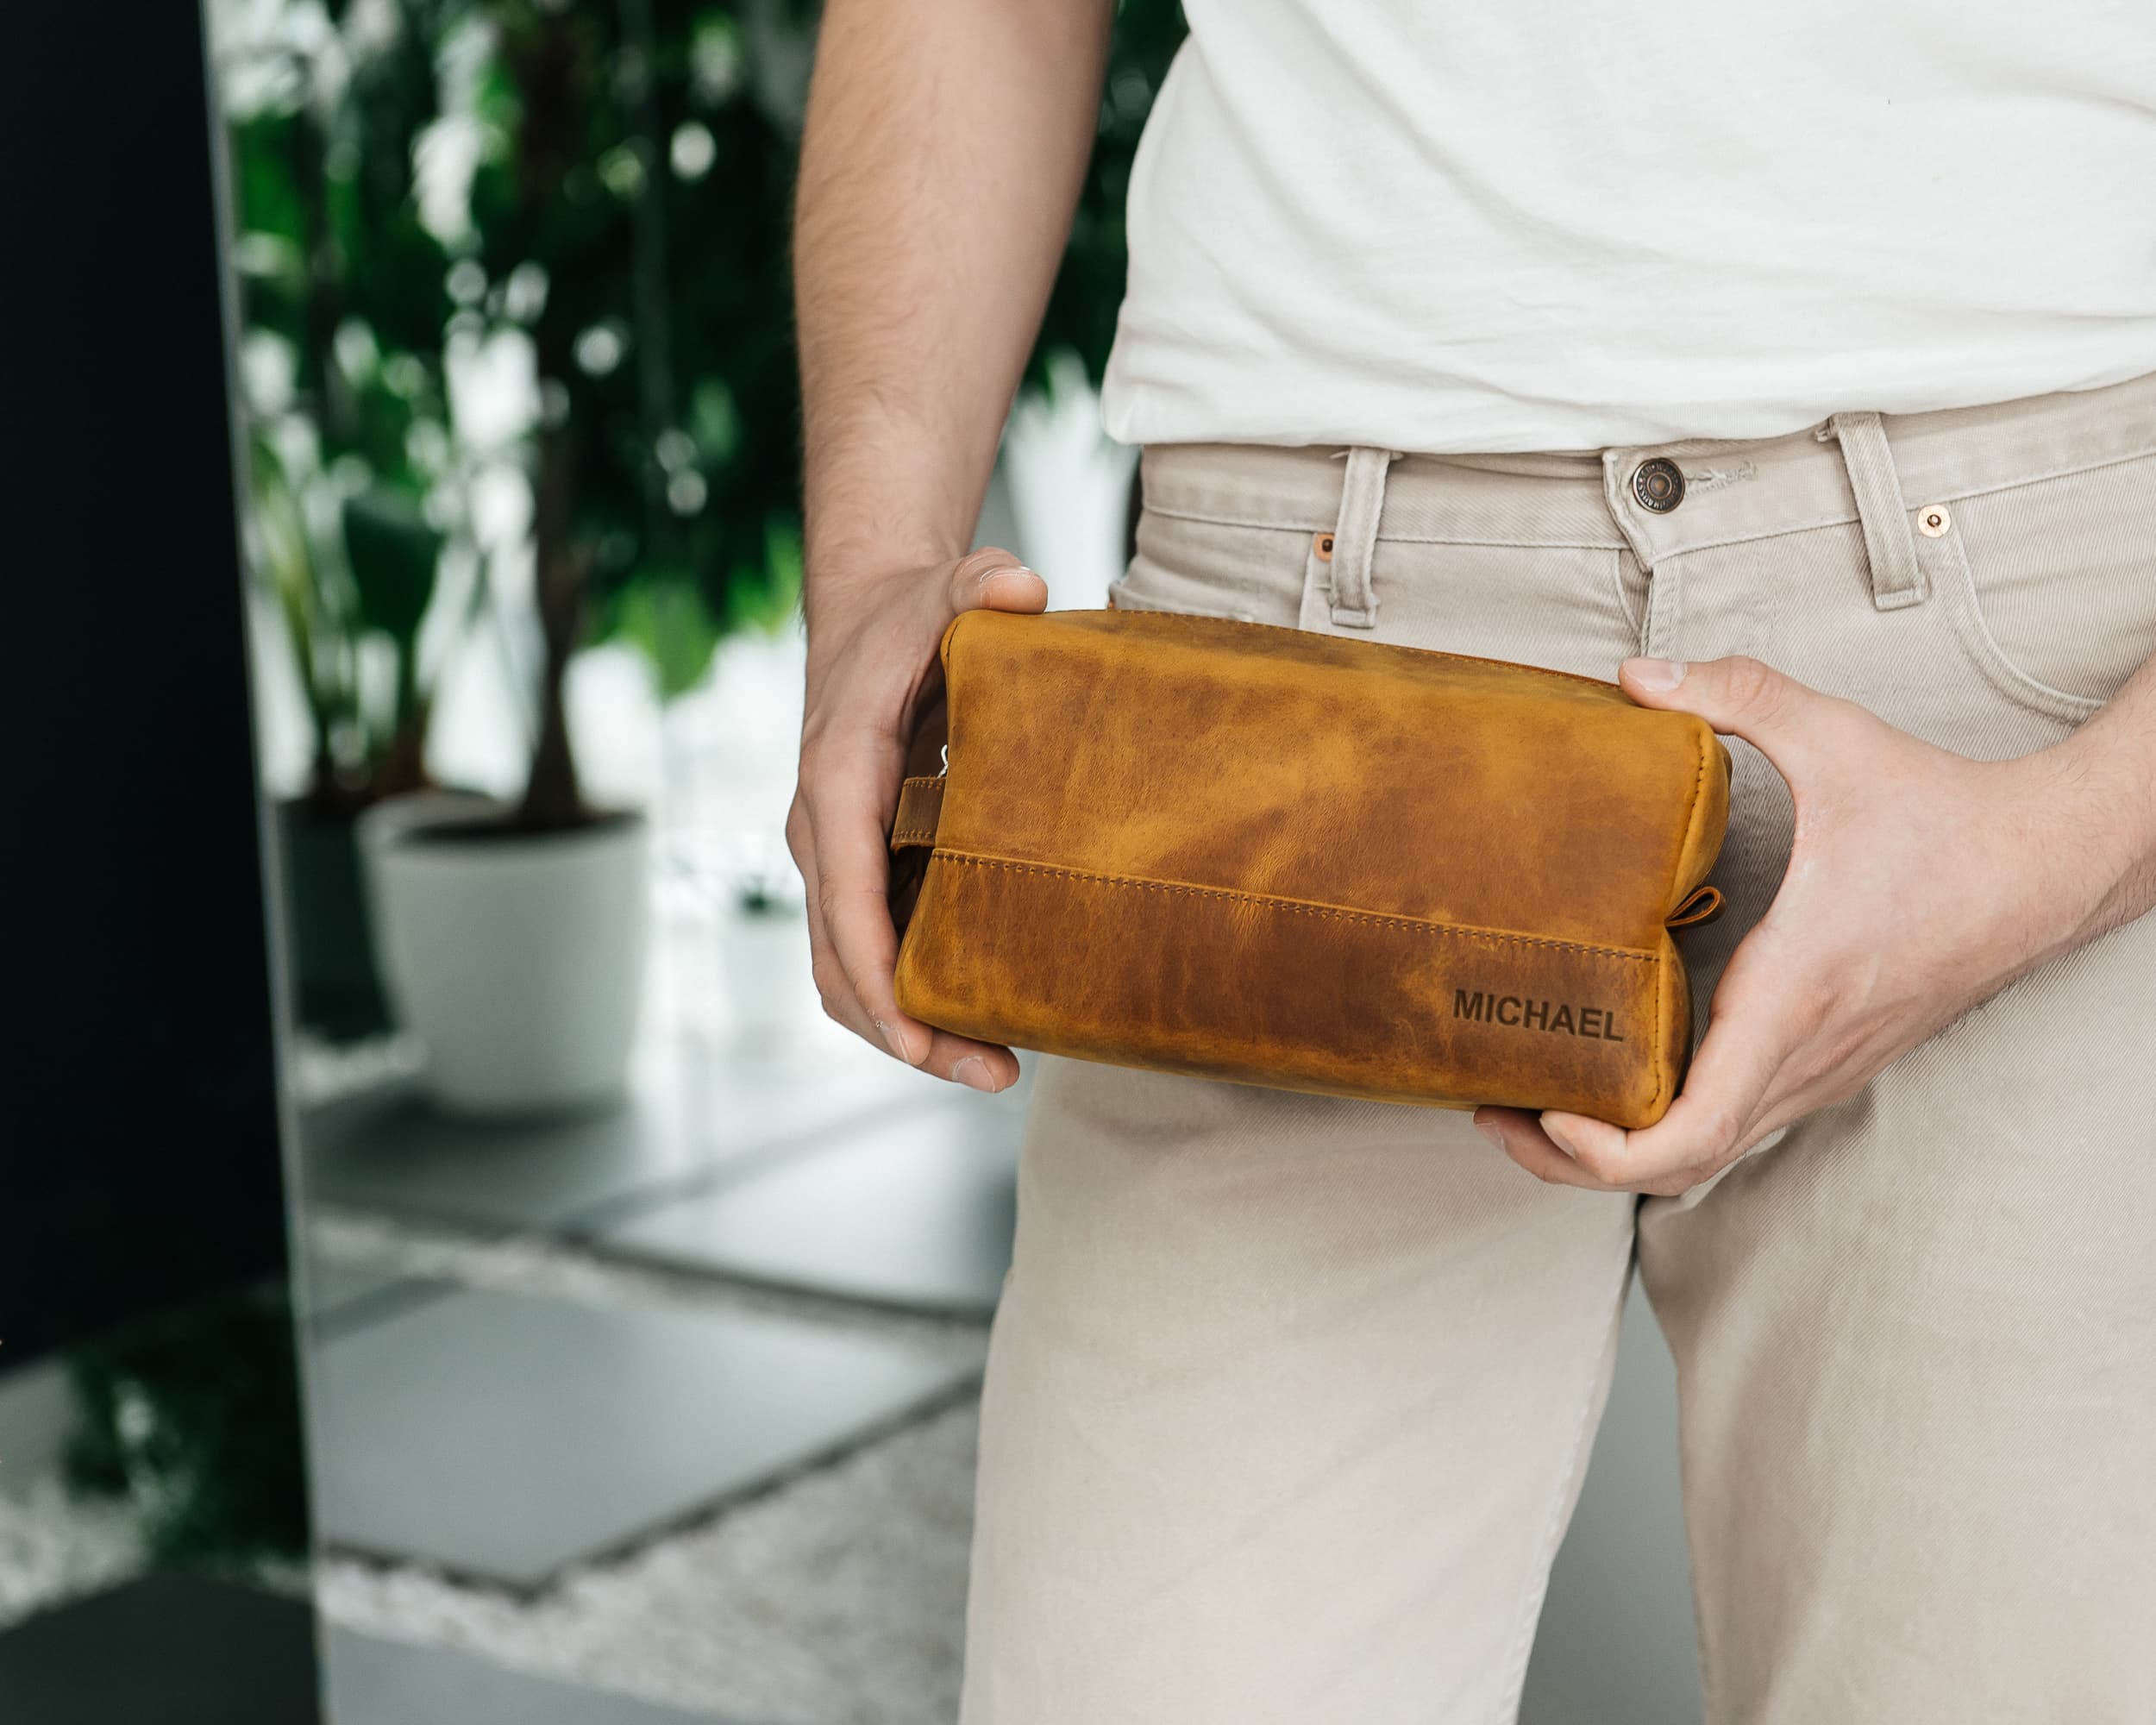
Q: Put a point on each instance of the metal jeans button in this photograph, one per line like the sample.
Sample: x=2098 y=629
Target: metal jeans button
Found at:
x=1659 y=484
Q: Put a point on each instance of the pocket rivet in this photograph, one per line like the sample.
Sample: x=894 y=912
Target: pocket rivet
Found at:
x=1324 y=548
x=1933 y=521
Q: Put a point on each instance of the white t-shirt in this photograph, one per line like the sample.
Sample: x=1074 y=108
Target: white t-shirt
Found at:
x=1449 y=225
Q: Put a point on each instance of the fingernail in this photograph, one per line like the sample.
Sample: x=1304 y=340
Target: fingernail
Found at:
x=973 y=1072
x=1490 y=1131
x=1657 y=674
x=1558 y=1138
x=898 y=1043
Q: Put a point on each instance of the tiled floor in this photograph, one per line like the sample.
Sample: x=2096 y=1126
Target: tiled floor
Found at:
x=915 y=1210
x=341 y=1295
x=387 y=1151
x=692 y=1111
x=369 y=1681
x=547 y=1359
x=836 y=1598
x=504 y=1436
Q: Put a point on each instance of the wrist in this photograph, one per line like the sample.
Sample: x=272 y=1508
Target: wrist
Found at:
x=858 y=557
x=881 y=499
x=848 y=577
x=874 y=622
x=2094 y=813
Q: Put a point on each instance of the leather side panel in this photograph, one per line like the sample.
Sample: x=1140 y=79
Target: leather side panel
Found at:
x=1297 y=995
x=1675 y=1054
x=1709 y=822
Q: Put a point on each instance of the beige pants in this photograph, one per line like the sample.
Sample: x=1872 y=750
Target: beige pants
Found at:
x=1289 y=1397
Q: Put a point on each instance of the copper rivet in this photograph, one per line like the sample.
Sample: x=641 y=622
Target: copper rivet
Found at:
x=1933 y=521
x=1325 y=547
x=1657 y=484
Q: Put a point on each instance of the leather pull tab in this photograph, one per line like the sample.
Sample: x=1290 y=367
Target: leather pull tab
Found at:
x=920 y=810
x=1703 y=904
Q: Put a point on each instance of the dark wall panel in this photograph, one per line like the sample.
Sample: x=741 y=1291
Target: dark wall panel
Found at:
x=138 y=1159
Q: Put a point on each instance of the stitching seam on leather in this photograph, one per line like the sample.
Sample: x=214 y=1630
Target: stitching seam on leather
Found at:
x=1691 y=819
x=912 y=835
x=1664 y=1068
x=1416 y=924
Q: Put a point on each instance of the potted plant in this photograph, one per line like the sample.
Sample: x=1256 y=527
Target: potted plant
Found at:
x=626 y=221
x=587 y=199
x=342 y=302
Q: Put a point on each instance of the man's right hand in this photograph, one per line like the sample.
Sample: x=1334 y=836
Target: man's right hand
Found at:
x=872 y=658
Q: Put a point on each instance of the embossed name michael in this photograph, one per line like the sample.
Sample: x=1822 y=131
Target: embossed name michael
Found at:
x=1556 y=1017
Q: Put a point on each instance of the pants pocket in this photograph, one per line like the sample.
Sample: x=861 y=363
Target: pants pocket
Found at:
x=2052 y=585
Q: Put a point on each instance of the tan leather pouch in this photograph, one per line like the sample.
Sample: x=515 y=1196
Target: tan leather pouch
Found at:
x=1323 y=864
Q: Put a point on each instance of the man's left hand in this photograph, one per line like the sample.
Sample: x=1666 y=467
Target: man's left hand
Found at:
x=1919 y=884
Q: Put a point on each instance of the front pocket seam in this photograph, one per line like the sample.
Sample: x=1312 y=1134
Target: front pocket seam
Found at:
x=2046 y=477
x=1983 y=647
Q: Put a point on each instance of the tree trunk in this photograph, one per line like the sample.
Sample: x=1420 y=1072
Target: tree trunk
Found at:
x=554 y=801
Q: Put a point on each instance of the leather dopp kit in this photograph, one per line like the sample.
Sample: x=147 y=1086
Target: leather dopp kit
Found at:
x=1288 y=858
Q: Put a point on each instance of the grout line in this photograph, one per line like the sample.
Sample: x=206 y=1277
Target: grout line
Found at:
x=630 y=1545
x=731 y=1168
x=453 y=1259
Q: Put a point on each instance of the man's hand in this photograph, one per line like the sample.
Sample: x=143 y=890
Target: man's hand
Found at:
x=871 y=654
x=1920 y=884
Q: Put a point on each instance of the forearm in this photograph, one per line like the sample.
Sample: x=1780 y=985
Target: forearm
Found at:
x=945 y=144
x=2109 y=770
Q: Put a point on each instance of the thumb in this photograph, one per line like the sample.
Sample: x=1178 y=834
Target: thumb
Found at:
x=993 y=579
x=1785 y=721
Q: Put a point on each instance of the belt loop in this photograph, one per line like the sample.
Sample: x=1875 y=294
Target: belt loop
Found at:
x=1665 y=609
x=1897 y=579
x=1355 y=539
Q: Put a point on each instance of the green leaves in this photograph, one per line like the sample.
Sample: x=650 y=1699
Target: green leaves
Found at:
x=393 y=553
x=579 y=166
x=663 y=612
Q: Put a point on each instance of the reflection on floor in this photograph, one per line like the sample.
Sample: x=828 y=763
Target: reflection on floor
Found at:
x=676 y=1404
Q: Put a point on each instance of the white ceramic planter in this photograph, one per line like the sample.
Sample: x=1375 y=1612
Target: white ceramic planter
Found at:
x=519 y=961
